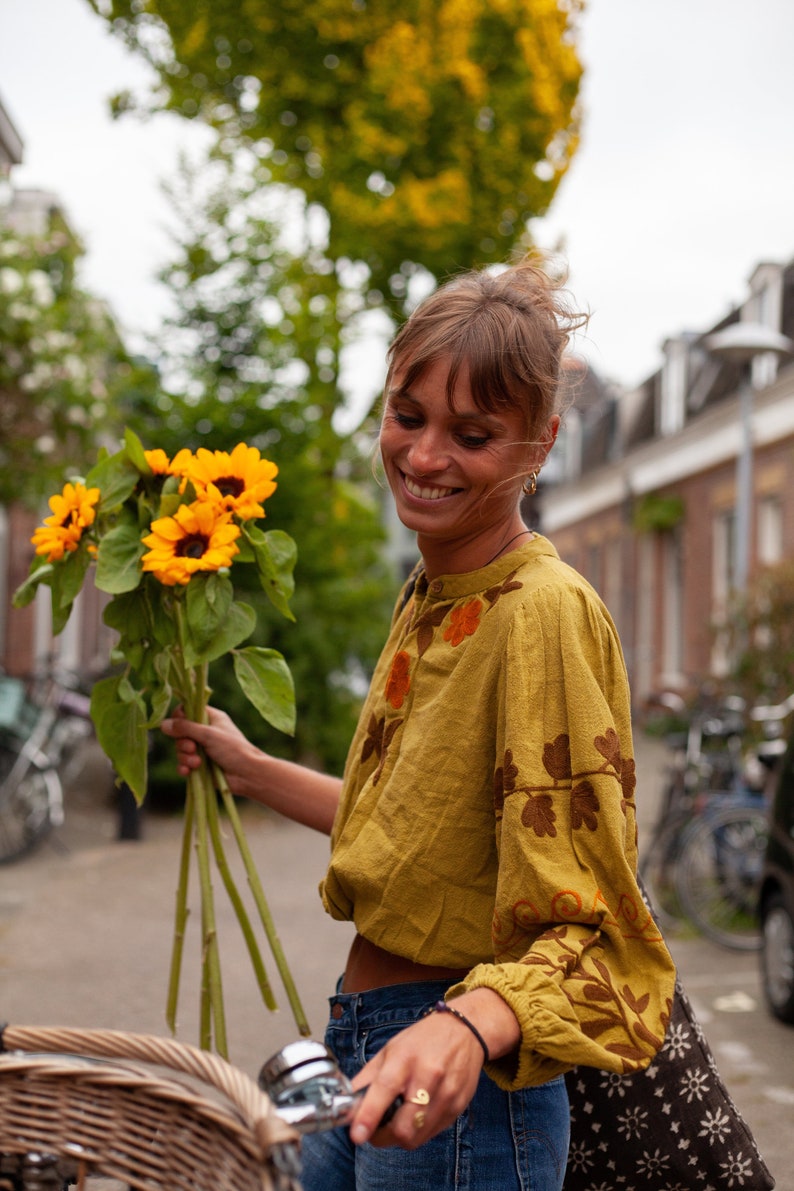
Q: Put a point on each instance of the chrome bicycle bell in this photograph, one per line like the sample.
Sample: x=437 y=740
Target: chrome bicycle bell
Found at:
x=309 y=1091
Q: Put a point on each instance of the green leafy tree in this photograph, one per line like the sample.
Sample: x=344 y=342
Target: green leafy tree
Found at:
x=251 y=355
x=428 y=131
x=61 y=365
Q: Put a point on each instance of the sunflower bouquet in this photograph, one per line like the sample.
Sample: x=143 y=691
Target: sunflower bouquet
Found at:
x=160 y=537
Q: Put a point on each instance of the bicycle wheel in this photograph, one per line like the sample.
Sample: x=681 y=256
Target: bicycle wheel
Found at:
x=658 y=872
x=25 y=807
x=719 y=874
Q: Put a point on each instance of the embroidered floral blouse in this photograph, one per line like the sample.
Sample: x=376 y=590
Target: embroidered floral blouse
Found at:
x=487 y=818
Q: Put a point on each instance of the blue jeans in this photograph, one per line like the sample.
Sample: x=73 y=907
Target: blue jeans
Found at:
x=504 y=1141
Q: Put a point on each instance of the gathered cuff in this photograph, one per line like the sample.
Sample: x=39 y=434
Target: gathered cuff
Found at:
x=552 y=1039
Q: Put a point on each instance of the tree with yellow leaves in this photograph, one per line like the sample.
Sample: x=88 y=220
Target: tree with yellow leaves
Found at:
x=429 y=130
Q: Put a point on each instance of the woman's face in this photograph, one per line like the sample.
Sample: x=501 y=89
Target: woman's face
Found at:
x=455 y=473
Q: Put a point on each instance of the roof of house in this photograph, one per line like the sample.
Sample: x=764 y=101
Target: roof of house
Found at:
x=11 y=146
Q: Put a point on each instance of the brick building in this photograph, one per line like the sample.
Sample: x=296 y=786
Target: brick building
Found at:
x=646 y=505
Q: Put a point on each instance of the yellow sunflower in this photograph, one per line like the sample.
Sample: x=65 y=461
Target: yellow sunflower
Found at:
x=73 y=510
x=159 y=462
x=240 y=481
x=199 y=537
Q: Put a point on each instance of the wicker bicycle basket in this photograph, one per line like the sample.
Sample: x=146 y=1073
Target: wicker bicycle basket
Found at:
x=152 y=1113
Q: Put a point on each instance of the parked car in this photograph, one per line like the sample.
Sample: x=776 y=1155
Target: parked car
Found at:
x=777 y=897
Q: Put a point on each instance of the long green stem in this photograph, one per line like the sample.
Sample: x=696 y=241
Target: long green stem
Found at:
x=261 y=903
x=202 y=823
x=210 y=956
x=203 y=793
x=239 y=908
x=181 y=914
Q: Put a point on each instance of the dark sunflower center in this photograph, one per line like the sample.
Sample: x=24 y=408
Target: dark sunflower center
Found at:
x=229 y=485
x=193 y=547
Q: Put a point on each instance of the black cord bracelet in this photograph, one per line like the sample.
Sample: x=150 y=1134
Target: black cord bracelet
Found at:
x=443 y=1007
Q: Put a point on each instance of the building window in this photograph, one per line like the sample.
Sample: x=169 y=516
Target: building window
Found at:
x=672 y=611
x=770 y=530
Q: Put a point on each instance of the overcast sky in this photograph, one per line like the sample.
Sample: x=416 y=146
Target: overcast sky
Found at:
x=684 y=180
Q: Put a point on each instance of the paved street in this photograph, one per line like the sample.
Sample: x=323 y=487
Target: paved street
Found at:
x=86 y=924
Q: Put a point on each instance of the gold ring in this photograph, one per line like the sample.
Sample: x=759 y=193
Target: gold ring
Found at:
x=419 y=1097
x=419 y=1120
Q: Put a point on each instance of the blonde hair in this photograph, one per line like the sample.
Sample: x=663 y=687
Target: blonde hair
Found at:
x=508 y=330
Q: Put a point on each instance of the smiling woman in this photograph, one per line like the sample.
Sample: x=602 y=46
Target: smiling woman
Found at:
x=456 y=473
x=469 y=411
x=483 y=836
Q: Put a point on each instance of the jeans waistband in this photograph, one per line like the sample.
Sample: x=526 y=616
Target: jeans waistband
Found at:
x=355 y=1009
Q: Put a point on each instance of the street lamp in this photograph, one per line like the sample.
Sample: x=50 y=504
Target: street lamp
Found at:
x=741 y=343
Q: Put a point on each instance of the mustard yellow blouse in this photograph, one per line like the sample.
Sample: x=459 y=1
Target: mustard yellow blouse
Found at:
x=487 y=818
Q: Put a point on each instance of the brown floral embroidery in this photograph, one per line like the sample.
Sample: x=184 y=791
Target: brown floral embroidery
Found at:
x=493 y=594
x=379 y=737
x=584 y=806
x=398 y=683
x=427 y=623
x=538 y=814
x=600 y=1006
x=608 y=746
x=557 y=758
x=464 y=622
x=504 y=782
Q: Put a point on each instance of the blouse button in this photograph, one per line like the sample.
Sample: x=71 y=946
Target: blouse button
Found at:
x=436 y=587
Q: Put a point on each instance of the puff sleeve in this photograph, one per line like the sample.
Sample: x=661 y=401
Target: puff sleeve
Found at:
x=577 y=955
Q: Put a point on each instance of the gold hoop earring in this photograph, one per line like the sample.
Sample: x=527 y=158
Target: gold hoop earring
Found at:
x=530 y=485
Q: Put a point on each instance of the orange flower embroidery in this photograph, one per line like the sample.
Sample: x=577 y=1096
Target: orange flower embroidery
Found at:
x=398 y=683
x=464 y=622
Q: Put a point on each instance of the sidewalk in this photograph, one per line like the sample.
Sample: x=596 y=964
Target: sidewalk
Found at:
x=86 y=926
x=86 y=921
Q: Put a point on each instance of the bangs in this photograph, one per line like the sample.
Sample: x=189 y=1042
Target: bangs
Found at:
x=490 y=349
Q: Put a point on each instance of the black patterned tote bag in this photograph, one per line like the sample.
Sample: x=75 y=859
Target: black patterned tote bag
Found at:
x=672 y=1127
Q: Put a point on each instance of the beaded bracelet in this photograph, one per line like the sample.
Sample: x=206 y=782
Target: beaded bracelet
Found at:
x=443 y=1007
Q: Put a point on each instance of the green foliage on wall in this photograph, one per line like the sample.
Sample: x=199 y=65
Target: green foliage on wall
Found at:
x=656 y=513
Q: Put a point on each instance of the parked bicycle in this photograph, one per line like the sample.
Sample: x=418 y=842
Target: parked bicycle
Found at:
x=40 y=725
x=704 y=861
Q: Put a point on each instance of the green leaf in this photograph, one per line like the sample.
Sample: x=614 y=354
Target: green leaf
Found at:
x=207 y=603
x=130 y=614
x=135 y=452
x=238 y=624
x=161 y=602
x=266 y=681
x=160 y=698
x=119 y=715
x=40 y=572
x=115 y=477
x=68 y=577
x=119 y=559
x=275 y=554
